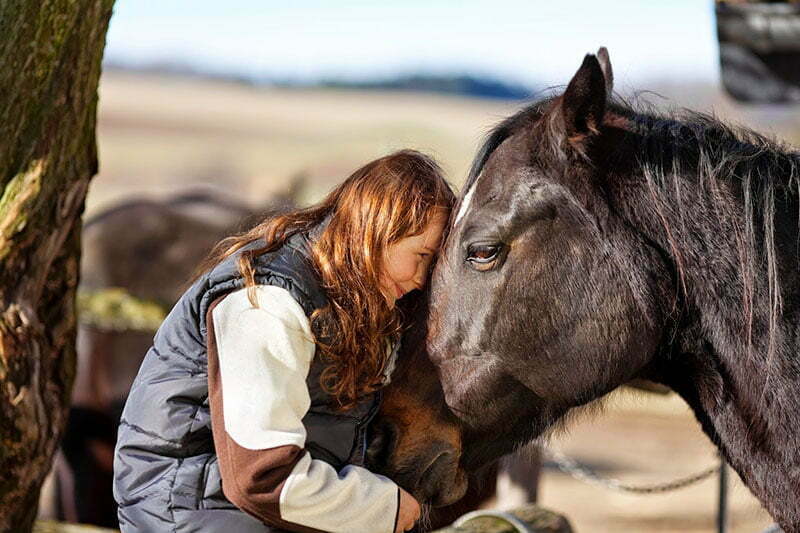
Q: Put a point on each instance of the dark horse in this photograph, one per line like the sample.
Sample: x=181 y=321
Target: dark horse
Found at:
x=597 y=243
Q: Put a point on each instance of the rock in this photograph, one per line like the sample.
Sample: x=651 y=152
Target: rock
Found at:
x=48 y=526
x=537 y=519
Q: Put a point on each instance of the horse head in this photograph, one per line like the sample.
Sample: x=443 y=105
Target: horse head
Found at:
x=545 y=299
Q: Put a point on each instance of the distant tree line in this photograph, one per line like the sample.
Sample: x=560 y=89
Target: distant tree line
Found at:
x=457 y=84
x=465 y=84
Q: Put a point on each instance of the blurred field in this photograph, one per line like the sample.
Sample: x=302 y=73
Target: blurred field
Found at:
x=161 y=134
x=158 y=135
x=644 y=439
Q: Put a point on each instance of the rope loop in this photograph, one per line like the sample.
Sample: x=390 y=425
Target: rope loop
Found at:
x=582 y=473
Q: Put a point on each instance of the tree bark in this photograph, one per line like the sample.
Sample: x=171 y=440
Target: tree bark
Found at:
x=50 y=57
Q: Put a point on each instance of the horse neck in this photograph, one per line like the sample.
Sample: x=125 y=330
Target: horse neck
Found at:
x=748 y=407
x=733 y=241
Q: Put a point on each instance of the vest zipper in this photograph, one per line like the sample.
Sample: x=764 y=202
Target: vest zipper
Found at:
x=364 y=423
x=373 y=411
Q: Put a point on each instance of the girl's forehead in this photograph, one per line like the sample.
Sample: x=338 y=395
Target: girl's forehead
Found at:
x=432 y=243
x=432 y=236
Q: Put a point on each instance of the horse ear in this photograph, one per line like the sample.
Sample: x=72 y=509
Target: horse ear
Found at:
x=605 y=66
x=583 y=104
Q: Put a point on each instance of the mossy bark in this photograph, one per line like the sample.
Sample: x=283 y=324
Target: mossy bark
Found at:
x=50 y=57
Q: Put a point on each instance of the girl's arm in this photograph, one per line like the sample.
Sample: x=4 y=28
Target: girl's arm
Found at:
x=258 y=363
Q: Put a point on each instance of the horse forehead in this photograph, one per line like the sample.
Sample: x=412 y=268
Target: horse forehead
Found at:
x=467 y=201
x=489 y=190
x=503 y=163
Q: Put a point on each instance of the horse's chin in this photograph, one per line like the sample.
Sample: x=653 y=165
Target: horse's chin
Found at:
x=455 y=492
x=486 y=445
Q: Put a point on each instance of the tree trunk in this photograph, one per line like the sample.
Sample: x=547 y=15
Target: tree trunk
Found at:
x=50 y=55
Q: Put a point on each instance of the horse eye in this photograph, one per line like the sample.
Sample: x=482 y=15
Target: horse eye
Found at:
x=482 y=256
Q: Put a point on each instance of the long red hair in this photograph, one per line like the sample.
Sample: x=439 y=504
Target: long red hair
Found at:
x=383 y=201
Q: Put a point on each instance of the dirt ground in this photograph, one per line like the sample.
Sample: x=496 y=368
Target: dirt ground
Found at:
x=644 y=439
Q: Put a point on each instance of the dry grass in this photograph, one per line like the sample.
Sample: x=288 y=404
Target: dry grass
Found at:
x=158 y=135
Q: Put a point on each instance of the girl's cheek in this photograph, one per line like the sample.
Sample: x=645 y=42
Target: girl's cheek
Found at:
x=406 y=270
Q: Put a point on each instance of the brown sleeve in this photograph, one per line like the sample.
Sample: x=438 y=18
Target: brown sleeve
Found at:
x=251 y=479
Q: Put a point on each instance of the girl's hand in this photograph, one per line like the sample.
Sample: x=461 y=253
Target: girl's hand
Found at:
x=409 y=512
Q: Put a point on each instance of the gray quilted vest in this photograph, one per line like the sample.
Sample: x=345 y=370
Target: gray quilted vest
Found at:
x=166 y=477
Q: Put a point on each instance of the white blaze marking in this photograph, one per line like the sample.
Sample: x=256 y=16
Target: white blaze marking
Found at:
x=466 y=202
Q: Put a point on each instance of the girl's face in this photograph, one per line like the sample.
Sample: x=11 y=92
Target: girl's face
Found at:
x=406 y=262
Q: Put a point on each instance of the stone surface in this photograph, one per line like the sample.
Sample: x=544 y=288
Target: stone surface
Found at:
x=538 y=519
x=47 y=526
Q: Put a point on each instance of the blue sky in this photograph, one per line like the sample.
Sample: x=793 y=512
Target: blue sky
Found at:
x=533 y=42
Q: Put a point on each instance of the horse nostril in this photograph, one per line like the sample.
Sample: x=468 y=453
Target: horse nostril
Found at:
x=439 y=481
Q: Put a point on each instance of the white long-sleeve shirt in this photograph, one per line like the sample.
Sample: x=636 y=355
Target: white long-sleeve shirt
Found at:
x=259 y=359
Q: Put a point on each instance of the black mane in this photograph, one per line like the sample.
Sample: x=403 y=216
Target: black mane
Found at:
x=692 y=131
x=748 y=184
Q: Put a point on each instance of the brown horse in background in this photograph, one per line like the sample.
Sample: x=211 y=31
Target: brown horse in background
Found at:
x=148 y=248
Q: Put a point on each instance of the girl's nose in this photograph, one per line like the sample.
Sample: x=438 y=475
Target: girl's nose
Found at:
x=421 y=275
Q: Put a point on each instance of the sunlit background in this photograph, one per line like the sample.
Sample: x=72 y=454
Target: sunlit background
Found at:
x=516 y=40
x=248 y=97
x=254 y=92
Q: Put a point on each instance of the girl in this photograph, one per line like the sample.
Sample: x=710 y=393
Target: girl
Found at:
x=249 y=412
